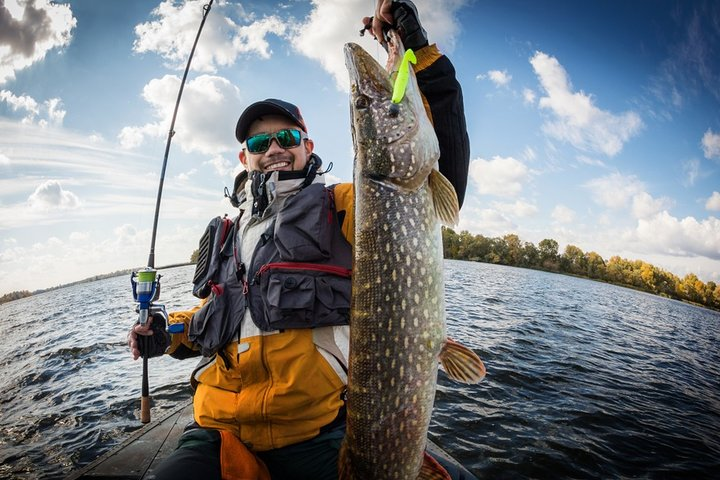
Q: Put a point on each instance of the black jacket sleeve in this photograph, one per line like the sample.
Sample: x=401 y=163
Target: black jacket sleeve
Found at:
x=442 y=91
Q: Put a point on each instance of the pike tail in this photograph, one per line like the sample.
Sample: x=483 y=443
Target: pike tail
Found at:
x=432 y=470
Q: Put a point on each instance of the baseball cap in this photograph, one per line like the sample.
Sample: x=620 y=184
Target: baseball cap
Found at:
x=270 y=106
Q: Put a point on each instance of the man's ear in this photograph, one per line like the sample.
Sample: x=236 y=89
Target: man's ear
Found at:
x=309 y=146
x=243 y=158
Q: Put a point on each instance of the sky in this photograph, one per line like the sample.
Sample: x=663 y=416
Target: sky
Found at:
x=594 y=123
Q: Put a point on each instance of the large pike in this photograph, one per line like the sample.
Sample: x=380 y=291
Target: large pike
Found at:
x=397 y=326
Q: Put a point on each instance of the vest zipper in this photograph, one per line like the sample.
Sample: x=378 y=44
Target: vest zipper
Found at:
x=316 y=267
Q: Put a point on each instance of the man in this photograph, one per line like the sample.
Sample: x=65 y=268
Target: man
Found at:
x=273 y=329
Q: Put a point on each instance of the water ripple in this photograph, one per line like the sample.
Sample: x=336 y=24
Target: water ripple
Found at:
x=585 y=380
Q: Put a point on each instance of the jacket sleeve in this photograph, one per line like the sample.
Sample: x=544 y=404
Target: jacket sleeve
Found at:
x=180 y=346
x=443 y=95
x=344 y=206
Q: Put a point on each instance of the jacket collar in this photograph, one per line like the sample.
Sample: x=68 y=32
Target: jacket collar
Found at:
x=264 y=193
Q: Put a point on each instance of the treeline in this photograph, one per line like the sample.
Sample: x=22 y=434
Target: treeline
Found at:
x=510 y=250
x=9 y=297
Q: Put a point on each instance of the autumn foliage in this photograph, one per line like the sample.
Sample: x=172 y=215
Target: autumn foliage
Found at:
x=510 y=250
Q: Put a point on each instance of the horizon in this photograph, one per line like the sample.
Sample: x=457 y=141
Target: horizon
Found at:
x=596 y=124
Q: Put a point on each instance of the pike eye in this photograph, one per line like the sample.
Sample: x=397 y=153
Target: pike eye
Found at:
x=362 y=101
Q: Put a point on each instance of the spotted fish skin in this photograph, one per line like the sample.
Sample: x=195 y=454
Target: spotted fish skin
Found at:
x=397 y=327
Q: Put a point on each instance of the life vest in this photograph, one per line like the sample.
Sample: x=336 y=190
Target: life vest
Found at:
x=299 y=276
x=280 y=379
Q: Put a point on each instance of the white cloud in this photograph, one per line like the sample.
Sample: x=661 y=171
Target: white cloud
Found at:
x=20 y=103
x=251 y=38
x=80 y=255
x=185 y=177
x=488 y=222
x=126 y=233
x=713 y=203
x=4 y=159
x=499 y=78
x=664 y=233
x=51 y=195
x=133 y=137
x=645 y=206
x=528 y=96
x=56 y=114
x=584 y=159
x=331 y=179
x=503 y=176
x=563 y=214
x=691 y=169
x=28 y=30
x=223 y=166
x=519 y=208
x=333 y=22
x=78 y=236
x=529 y=154
x=173 y=33
x=205 y=119
x=615 y=190
x=576 y=119
x=48 y=113
x=711 y=145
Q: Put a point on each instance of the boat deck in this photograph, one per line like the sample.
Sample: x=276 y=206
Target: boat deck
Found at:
x=138 y=456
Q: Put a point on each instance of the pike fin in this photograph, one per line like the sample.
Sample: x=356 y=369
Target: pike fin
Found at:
x=444 y=198
x=432 y=470
x=461 y=363
x=344 y=467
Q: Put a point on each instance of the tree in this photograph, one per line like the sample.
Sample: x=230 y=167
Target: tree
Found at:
x=530 y=255
x=510 y=250
x=595 y=266
x=573 y=260
x=614 y=270
x=451 y=243
x=9 y=297
x=514 y=249
x=548 y=249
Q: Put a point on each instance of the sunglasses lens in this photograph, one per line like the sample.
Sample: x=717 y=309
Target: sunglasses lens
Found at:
x=288 y=138
x=258 y=143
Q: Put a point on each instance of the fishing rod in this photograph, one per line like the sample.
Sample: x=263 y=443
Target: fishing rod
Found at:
x=146 y=289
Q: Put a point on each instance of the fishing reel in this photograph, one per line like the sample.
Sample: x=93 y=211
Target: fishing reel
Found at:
x=146 y=289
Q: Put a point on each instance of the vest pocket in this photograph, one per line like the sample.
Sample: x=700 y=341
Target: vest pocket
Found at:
x=306 y=233
x=216 y=323
x=301 y=295
x=333 y=301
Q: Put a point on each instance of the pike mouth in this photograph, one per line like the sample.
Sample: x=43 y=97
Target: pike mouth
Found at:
x=364 y=69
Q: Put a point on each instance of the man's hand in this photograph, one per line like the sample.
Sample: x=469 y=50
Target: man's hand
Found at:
x=383 y=16
x=132 y=338
x=401 y=15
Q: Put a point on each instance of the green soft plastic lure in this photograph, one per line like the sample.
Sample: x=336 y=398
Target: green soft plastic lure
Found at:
x=403 y=76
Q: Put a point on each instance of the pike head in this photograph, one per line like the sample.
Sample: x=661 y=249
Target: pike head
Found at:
x=394 y=143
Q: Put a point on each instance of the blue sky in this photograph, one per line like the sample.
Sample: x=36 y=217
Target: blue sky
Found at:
x=596 y=123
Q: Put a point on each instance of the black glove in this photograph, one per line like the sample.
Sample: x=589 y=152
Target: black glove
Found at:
x=155 y=345
x=407 y=24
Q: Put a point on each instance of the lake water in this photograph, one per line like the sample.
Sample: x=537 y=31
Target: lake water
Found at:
x=585 y=380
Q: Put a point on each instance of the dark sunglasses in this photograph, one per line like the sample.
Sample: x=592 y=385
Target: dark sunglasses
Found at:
x=286 y=138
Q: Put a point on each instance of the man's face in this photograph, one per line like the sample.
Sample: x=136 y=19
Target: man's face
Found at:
x=276 y=157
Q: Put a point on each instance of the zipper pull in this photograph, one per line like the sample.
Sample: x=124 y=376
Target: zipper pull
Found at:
x=240 y=272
